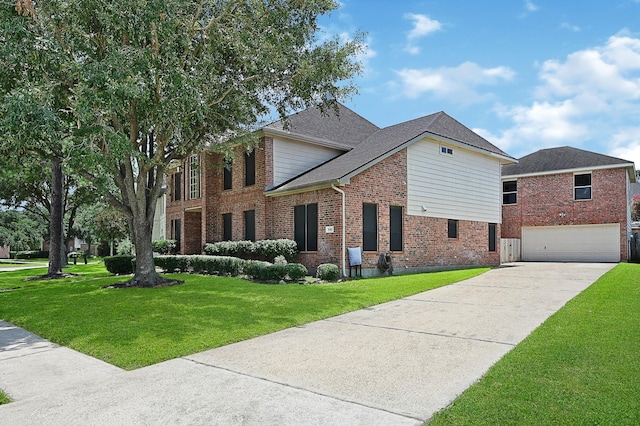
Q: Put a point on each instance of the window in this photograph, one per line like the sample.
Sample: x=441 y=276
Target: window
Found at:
x=250 y=225
x=510 y=192
x=492 y=237
x=176 y=190
x=226 y=227
x=194 y=177
x=395 y=228
x=369 y=227
x=305 y=226
x=250 y=168
x=453 y=228
x=446 y=151
x=227 y=174
x=582 y=186
x=176 y=231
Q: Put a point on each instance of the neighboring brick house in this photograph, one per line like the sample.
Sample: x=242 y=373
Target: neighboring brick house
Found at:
x=567 y=204
x=427 y=190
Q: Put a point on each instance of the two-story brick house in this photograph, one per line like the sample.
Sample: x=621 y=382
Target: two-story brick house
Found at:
x=568 y=204
x=336 y=181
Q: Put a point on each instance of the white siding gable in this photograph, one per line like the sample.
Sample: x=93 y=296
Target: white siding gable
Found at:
x=291 y=158
x=462 y=184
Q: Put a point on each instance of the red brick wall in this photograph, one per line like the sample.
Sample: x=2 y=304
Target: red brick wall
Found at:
x=191 y=227
x=238 y=199
x=329 y=214
x=548 y=201
x=426 y=245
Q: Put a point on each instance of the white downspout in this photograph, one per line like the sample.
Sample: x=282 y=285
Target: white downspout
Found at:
x=344 y=223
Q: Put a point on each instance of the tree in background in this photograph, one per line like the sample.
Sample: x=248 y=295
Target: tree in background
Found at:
x=101 y=222
x=25 y=184
x=20 y=230
x=35 y=119
x=635 y=208
x=152 y=82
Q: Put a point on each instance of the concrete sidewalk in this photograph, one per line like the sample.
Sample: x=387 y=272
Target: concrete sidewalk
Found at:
x=393 y=364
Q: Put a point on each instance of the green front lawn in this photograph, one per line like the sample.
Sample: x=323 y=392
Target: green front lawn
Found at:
x=136 y=327
x=581 y=367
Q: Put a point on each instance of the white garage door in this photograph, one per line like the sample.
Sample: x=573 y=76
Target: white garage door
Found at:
x=580 y=243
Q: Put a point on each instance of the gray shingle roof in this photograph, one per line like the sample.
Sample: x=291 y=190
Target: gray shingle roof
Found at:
x=562 y=158
x=344 y=130
x=386 y=141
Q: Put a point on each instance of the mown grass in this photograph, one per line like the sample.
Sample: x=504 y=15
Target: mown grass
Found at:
x=581 y=367
x=135 y=327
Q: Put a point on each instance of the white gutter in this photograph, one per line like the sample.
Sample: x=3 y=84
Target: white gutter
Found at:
x=344 y=222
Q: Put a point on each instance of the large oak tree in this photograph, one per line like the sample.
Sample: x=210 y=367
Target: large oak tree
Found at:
x=153 y=81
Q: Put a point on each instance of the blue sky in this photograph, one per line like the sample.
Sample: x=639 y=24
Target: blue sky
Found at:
x=525 y=74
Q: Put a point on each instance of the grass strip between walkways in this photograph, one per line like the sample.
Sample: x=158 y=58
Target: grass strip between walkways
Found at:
x=135 y=327
x=582 y=366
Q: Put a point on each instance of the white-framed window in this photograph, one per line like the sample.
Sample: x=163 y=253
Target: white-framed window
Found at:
x=194 y=177
x=582 y=186
x=510 y=192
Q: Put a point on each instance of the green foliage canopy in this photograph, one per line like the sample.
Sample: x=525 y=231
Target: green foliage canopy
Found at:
x=147 y=83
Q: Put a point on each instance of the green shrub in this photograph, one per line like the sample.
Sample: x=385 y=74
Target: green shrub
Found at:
x=270 y=249
x=32 y=254
x=216 y=265
x=125 y=248
x=165 y=246
x=328 y=272
x=259 y=250
x=253 y=268
x=119 y=265
x=173 y=263
x=295 y=271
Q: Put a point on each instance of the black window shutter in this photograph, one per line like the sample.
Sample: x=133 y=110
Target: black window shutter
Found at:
x=312 y=227
x=250 y=225
x=492 y=237
x=369 y=227
x=250 y=168
x=395 y=228
x=227 y=176
x=226 y=227
x=299 y=232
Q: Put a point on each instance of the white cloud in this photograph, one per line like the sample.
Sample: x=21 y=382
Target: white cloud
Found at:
x=541 y=125
x=529 y=7
x=455 y=84
x=570 y=27
x=625 y=144
x=581 y=100
x=422 y=26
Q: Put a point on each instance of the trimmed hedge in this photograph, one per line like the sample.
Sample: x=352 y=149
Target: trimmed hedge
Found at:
x=227 y=265
x=262 y=249
x=328 y=272
x=119 y=265
x=32 y=254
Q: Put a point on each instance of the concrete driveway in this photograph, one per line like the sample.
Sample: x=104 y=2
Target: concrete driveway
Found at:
x=393 y=364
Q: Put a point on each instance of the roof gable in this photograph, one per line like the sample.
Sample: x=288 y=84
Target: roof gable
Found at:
x=563 y=158
x=387 y=141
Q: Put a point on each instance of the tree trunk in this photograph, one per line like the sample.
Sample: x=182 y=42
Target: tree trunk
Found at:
x=56 y=222
x=145 y=273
